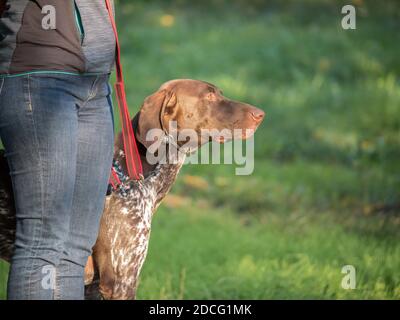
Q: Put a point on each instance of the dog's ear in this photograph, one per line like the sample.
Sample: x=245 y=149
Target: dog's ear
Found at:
x=152 y=114
x=169 y=111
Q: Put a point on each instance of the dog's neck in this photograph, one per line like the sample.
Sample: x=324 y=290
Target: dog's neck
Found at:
x=148 y=168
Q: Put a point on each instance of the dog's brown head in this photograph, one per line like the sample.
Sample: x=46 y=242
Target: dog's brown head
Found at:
x=197 y=106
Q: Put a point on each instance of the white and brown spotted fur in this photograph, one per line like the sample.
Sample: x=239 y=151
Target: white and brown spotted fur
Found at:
x=113 y=270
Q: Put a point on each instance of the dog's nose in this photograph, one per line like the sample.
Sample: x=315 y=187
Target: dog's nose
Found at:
x=257 y=115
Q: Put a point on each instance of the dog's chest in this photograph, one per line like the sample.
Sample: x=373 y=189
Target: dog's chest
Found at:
x=128 y=224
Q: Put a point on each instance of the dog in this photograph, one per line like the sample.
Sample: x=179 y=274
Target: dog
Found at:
x=112 y=272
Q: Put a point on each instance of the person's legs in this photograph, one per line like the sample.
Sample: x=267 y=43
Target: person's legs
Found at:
x=38 y=127
x=42 y=133
x=94 y=160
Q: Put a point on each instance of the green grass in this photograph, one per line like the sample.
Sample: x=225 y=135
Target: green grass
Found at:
x=212 y=254
x=326 y=187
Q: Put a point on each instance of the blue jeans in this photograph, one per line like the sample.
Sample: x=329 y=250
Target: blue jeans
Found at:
x=58 y=134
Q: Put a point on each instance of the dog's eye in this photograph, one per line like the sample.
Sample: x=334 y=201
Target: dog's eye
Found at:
x=211 y=96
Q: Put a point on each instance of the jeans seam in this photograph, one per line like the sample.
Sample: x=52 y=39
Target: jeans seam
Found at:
x=56 y=289
x=29 y=95
x=35 y=138
x=92 y=92
x=111 y=106
x=1 y=86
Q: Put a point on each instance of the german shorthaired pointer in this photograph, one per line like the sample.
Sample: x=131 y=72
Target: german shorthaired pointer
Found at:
x=113 y=270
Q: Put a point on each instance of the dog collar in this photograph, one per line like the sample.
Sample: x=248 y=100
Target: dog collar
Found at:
x=119 y=181
x=169 y=139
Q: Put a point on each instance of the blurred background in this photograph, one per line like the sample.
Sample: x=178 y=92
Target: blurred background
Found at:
x=325 y=191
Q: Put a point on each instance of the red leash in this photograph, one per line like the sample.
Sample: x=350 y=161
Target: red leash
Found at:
x=133 y=161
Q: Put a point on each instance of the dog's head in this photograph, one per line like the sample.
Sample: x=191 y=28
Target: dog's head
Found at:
x=190 y=107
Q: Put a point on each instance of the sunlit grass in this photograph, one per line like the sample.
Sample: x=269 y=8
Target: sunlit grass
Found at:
x=325 y=191
x=287 y=257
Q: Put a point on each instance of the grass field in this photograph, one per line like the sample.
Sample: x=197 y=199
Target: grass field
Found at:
x=326 y=187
